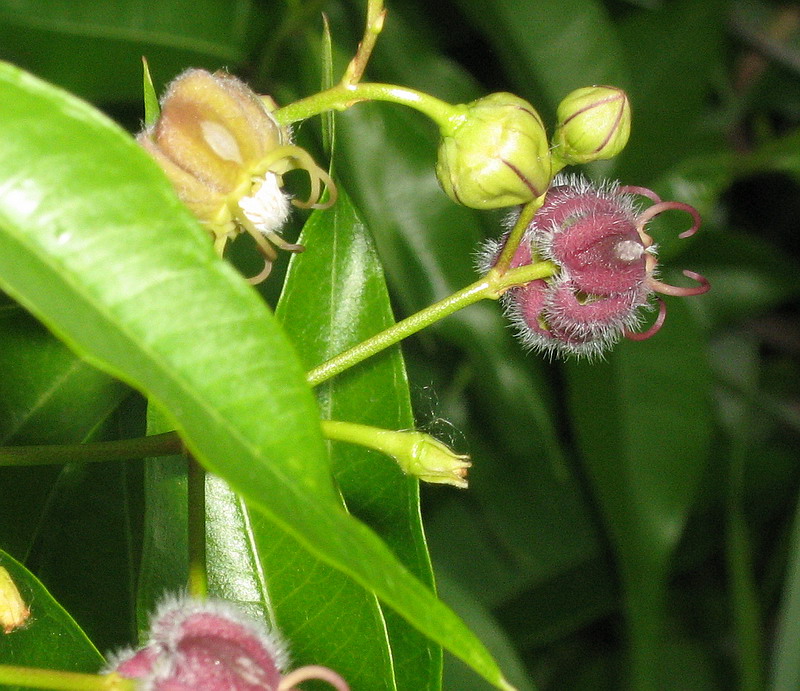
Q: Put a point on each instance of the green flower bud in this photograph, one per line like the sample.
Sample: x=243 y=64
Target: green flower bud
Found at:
x=432 y=461
x=495 y=155
x=594 y=124
x=418 y=454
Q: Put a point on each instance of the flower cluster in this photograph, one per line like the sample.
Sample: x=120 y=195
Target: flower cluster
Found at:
x=494 y=151
x=210 y=646
x=606 y=261
x=225 y=154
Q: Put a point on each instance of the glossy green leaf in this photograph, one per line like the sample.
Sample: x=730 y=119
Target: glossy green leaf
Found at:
x=47 y=396
x=50 y=638
x=93 y=241
x=325 y=319
x=233 y=567
x=643 y=424
x=95 y=49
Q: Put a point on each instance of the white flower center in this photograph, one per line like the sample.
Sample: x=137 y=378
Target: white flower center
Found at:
x=268 y=208
x=629 y=250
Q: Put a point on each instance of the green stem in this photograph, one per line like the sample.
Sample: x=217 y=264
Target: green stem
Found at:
x=515 y=236
x=343 y=96
x=35 y=678
x=491 y=286
x=121 y=450
x=375 y=16
x=198 y=573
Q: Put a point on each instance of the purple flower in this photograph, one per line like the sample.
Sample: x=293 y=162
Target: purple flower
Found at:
x=210 y=646
x=607 y=268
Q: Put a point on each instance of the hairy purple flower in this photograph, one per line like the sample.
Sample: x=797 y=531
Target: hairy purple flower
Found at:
x=607 y=268
x=210 y=646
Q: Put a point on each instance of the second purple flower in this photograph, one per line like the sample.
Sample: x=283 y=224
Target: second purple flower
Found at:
x=607 y=274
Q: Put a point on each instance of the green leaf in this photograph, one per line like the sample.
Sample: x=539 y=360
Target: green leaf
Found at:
x=95 y=244
x=51 y=638
x=95 y=49
x=643 y=424
x=88 y=514
x=457 y=676
x=325 y=319
x=47 y=396
x=152 y=108
x=164 y=566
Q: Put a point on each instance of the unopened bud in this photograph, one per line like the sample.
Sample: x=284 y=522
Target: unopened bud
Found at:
x=594 y=124
x=496 y=155
x=432 y=461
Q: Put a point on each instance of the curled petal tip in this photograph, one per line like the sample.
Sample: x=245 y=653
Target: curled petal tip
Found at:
x=678 y=291
x=641 y=191
x=290 y=680
x=261 y=275
x=695 y=217
x=654 y=328
x=660 y=206
x=704 y=286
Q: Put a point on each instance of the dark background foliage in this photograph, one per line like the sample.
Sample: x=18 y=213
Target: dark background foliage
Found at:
x=630 y=520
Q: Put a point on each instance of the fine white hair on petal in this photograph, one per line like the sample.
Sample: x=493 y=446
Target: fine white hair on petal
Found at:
x=115 y=658
x=269 y=207
x=487 y=253
x=175 y=610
